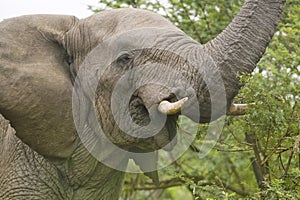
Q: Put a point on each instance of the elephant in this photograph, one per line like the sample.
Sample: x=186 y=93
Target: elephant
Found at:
x=167 y=74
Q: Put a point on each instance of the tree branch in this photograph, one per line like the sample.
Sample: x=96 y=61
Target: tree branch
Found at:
x=258 y=169
x=237 y=109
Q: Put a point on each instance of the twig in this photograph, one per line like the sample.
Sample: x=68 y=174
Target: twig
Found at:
x=236 y=190
x=237 y=109
x=158 y=187
x=296 y=144
x=280 y=140
x=236 y=138
x=235 y=172
x=256 y=162
x=178 y=182
x=276 y=147
x=232 y=150
x=288 y=164
x=281 y=162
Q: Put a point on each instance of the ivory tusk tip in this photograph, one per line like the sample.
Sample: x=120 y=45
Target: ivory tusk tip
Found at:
x=184 y=99
x=169 y=108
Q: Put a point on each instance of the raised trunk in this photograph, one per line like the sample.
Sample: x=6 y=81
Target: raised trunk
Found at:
x=241 y=45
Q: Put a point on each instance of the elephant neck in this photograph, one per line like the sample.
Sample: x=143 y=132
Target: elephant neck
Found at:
x=88 y=178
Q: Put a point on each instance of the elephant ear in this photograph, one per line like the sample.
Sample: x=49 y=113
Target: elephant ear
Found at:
x=35 y=82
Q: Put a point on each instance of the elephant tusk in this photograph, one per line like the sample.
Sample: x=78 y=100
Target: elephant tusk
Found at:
x=237 y=109
x=169 y=108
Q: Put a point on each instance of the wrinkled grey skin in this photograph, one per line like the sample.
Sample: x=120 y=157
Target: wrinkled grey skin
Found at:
x=40 y=57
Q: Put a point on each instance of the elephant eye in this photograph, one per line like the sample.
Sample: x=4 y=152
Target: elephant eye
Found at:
x=124 y=59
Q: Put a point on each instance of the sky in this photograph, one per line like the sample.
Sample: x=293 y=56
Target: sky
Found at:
x=14 y=8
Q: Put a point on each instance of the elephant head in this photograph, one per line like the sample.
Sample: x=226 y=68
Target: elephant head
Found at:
x=125 y=68
x=152 y=62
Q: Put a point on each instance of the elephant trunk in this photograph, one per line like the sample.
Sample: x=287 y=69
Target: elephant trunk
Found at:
x=240 y=46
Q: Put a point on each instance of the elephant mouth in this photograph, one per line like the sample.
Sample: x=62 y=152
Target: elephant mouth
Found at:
x=142 y=115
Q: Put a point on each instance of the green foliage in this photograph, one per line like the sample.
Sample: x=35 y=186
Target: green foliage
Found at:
x=202 y=20
x=267 y=137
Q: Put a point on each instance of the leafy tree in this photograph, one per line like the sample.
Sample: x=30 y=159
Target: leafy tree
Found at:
x=257 y=155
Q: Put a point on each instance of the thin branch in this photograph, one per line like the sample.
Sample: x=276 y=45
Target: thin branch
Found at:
x=256 y=162
x=288 y=164
x=158 y=187
x=236 y=190
x=178 y=182
x=276 y=147
x=281 y=162
x=231 y=150
x=235 y=172
x=296 y=144
x=280 y=140
x=236 y=138
x=237 y=109
x=268 y=138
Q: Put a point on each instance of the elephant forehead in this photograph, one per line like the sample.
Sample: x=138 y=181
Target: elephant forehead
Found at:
x=143 y=38
x=122 y=20
x=107 y=24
